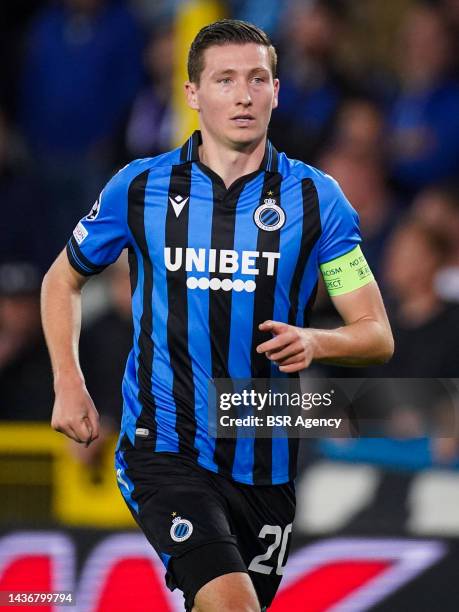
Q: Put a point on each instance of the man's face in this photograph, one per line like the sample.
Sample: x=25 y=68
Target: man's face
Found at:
x=235 y=95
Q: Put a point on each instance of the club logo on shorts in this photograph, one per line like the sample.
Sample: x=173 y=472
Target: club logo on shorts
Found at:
x=94 y=211
x=269 y=216
x=181 y=529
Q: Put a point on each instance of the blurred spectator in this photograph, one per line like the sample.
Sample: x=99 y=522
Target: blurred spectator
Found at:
x=355 y=159
x=426 y=334
x=425 y=327
x=81 y=71
x=149 y=129
x=14 y=17
x=311 y=84
x=361 y=177
x=23 y=224
x=359 y=130
x=154 y=13
x=446 y=449
x=265 y=14
x=438 y=208
x=424 y=121
x=25 y=371
x=450 y=9
x=368 y=50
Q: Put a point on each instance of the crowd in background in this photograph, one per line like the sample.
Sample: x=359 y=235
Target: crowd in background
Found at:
x=369 y=94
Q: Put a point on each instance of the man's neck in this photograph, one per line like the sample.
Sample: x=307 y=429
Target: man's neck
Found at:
x=228 y=163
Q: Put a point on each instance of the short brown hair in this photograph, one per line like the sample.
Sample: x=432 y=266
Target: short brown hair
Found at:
x=225 y=32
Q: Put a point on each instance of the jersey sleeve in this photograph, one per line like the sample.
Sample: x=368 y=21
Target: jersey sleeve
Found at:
x=340 y=222
x=102 y=234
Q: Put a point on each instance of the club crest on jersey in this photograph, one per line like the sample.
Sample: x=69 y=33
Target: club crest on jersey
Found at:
x=181 y=529
x=94 y=211
x=269 y=216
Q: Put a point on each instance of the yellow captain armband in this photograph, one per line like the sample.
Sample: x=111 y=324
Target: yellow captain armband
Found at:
x=346 y=273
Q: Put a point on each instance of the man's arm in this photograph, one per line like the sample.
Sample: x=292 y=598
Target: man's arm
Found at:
x=365 y=338
x=74 y=413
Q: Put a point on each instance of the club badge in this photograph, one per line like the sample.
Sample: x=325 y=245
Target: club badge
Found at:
x=181 y=529
x=269 y=216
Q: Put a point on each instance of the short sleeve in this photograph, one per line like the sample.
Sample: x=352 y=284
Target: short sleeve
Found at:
x=340 y=222
x=102 y=234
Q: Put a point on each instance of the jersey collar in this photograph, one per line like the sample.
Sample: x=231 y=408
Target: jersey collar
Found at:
x=189 y=153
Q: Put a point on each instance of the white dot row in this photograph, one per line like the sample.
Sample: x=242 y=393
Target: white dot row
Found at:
x=215 y=284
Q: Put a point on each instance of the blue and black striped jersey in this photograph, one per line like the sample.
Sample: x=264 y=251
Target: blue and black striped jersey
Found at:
x=207 y=265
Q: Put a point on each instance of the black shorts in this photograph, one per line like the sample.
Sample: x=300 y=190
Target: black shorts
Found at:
x=203 y=525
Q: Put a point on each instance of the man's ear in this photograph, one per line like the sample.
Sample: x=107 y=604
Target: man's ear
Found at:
x=191 y=93
x=276 y=93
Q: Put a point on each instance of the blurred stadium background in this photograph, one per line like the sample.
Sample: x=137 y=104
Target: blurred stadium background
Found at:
x=369 y=94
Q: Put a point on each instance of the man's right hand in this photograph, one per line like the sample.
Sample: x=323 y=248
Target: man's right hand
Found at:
x=75 y=415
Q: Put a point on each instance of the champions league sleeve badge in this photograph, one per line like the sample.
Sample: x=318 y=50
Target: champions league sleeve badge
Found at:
x=181 y=529
x=94 y=210
x=269 y=216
